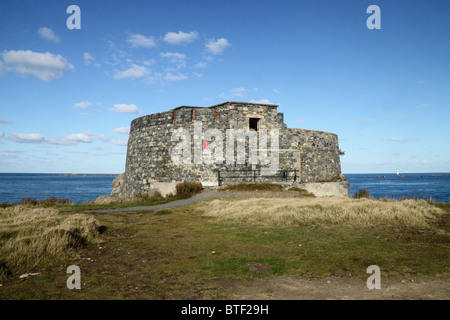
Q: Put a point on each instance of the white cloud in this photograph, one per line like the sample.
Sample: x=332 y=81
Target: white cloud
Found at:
x=216 y=46
x=176 y=58
x=122 y=130
x=235 y=92
x=82 y=105
x=125 y=108
x=99 y=148
x=119 y=142
x=148 y=62
x=44 y=66
x=208 y=58
x=238 y=92
x=77 y=151
x=263 y=101
x=180 y=37
x=365 y=121
x=85 y=137
x=4 y=121
x=58 y=142
x=396 y=139
x=134 y=72
x=14 y=151
x=2 y=134
x=94 y=135
x=173 y=56
x=156 y=77
x=48 y=34
x=139 y=40
x=88 y=59
x=300 y=121
x=175 y=77
x=425 y=105
x=400 y=115
x=70 y=140
x=79 y=137
x=27 y=137
x=201 y=64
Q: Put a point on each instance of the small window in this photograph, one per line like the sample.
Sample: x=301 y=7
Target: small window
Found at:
x=253 y=124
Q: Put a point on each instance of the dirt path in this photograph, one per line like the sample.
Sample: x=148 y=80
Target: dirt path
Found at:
x=205 y=195
x=296 y=288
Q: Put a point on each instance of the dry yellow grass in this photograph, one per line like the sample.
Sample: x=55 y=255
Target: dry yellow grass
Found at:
x=337 y=211
x=28 y=236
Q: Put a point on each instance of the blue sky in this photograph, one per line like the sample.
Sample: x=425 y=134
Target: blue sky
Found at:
x=67 y=97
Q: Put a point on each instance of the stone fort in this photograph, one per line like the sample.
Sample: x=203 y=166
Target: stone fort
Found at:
x=155 y=160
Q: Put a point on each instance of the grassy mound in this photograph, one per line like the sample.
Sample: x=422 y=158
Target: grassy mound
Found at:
x=330 y=211
x=30 y=236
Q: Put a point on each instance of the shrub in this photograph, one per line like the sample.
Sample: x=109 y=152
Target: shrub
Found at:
x=47 y=202
x=188 y=188
x=362 y=193
x=146 y=197
x=157 y=195
x=28 y=202
x=141 y=196
x=53 y=201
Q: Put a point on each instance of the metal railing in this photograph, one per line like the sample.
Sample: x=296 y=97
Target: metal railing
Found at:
x=255 y=176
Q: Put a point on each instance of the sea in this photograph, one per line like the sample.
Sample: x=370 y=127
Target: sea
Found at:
x=77 y=187
x=87 y=187
x=427 y=186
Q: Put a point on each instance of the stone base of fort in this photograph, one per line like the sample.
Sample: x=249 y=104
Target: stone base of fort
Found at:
x=318 y=189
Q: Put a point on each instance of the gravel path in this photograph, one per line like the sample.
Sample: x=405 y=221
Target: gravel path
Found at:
x=205 y=195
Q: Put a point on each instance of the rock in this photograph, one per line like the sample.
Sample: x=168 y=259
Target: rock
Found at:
x=106 y=199
x=117 y=193
x=327 y=189
x=26 y=275
x=118 y=185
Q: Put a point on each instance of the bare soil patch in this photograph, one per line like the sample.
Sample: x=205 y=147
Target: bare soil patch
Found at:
x=343 y=288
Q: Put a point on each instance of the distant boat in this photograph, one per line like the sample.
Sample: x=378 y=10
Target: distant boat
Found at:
x=399 y=175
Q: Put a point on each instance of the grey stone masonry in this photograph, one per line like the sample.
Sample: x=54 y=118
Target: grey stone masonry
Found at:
x=195 y=143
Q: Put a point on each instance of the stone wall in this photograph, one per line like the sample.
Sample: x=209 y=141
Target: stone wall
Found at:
x=150 y=154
